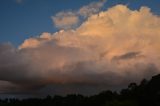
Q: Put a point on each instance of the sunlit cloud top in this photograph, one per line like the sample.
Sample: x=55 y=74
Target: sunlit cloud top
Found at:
x=93 y=48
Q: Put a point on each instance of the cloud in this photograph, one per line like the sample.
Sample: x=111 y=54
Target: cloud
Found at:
x=82 y=58
x=71 y=19
x=91 y=9
x=65 y=20
x=6 y=86
x=128 y=55
x=19 y=1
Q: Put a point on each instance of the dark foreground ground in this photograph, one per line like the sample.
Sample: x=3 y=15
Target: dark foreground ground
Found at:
x=147 y=93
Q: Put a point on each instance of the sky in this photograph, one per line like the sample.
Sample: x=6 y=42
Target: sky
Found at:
x=77 y=46
x=21 y=19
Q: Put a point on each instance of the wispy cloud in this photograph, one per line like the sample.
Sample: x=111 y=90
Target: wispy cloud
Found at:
x=66 y=20
x=71 y=19
x=19 y=1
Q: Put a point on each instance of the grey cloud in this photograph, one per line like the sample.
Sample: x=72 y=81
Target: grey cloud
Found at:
x=33 y=77
x=129 y=55
x=91 y=9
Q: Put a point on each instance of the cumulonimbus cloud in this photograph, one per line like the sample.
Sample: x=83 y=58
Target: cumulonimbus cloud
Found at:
x=110 y=49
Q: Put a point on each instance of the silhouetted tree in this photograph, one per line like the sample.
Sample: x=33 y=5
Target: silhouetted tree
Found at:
x=147 y=93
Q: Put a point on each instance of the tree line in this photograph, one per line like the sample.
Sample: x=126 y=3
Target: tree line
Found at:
x=147 y=93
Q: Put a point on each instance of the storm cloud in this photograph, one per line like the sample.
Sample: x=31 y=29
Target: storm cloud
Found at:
x=107 y=51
